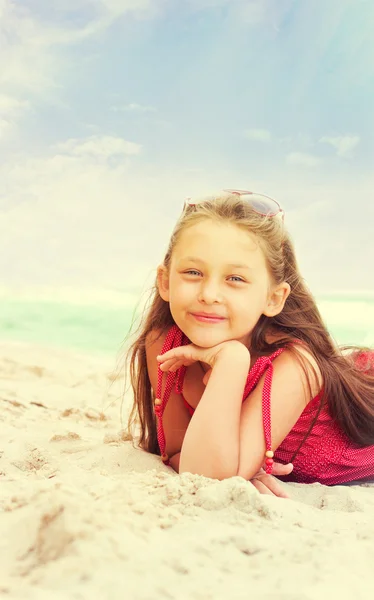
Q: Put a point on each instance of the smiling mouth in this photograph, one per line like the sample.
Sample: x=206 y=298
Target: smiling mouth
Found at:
x=206 y=318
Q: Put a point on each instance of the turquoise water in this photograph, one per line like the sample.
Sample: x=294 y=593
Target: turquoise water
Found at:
x=91 y=329
x=102 y=328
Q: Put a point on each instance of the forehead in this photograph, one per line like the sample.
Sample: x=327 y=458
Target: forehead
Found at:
x=222 y=243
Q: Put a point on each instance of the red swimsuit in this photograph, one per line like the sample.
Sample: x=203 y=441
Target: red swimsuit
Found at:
x=326 y=456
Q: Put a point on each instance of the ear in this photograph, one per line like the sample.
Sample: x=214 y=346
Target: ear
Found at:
x=163 y=282
x=277 y=299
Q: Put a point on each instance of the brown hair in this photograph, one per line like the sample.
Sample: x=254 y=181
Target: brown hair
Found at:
x=348 y=389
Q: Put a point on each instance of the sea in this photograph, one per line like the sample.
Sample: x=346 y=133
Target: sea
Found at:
x=99 y=321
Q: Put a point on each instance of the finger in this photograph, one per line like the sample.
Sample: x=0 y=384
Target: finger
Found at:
x=165 y=366
x=170 y=354
x=178 y=353
x=180 y=363
x=279 y=469
x=261 y=487
x=272 y=484
x=173 y=364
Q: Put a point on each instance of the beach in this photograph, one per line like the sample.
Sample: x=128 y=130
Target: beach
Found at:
x=85 y=514
x=117 y=119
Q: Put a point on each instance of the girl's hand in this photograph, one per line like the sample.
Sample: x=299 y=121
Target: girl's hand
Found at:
x=268 y=484
x=187 y=355
x=265 y=484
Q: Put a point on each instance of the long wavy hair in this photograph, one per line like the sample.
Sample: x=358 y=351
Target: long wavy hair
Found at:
x=348 y=377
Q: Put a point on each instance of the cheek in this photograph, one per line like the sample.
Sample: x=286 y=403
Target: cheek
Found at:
x=250 y=303
x=179 y=292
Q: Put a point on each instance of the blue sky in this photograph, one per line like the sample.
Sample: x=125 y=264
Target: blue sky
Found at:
x=113 y=111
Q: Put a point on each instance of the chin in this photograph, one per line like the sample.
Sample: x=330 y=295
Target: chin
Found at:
x=206 y=338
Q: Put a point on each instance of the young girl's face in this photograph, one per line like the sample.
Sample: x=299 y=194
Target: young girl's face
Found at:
x=218 y=285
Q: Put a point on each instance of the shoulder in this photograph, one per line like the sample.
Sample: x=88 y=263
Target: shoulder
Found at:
x=154 y=342
x=296 y=367
x=292 y=387
x=297 y=357
x=155 y=339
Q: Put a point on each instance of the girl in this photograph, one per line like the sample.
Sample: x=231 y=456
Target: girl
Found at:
x=234 y=367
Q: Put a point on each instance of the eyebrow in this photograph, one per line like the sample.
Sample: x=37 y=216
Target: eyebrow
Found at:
x=230 y=265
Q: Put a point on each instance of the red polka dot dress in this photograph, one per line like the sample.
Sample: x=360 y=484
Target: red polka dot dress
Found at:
x=326 y=455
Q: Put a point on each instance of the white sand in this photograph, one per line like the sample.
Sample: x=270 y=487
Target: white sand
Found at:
x=84 y=515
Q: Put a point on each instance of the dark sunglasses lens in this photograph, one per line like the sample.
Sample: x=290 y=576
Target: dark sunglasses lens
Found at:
x=263 y=205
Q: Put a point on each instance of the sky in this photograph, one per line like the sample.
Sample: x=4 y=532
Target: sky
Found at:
x=112 y=112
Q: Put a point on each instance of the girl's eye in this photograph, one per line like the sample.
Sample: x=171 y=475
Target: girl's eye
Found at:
x=234 y=278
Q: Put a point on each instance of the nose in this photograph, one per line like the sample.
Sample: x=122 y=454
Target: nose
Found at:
x=209 y=292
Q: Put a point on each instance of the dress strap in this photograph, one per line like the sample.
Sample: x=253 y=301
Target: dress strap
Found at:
x=174 y=339
x=262 y=364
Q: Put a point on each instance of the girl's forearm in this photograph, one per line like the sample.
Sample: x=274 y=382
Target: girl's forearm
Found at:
x=211 y=443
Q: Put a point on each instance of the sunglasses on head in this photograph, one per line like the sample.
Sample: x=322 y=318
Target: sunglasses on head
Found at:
x=261 y=204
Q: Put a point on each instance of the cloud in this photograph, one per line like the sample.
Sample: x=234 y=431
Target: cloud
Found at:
x=5 y=127
x=100 y=15
x=344 y=144
x=303 y=159
x=32 y=39
x=10 y=105
x=77 y=223
x=257 y=135
x=70 y=218
x=133 y=107
x=252 y=12
x=11 y=109
x=119 y=7
x=28 y=65
x=248 y=11
x=103 y=14
x=101 y=146
x=206 y=4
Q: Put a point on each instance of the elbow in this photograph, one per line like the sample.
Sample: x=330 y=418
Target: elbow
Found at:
x=249 y=468
x=210 y=474
x=220 y=468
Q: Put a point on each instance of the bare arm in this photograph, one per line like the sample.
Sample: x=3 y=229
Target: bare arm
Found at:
x=176 y=417
x=289 y=396
x=225 y=437
x=211 y=443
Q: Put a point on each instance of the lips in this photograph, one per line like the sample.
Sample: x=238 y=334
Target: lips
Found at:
x=208 y=317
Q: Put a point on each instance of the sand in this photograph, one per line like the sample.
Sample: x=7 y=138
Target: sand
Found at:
x=86 y=515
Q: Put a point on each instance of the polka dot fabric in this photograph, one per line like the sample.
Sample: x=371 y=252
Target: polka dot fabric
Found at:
x=174 y=339
x=326 y=456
